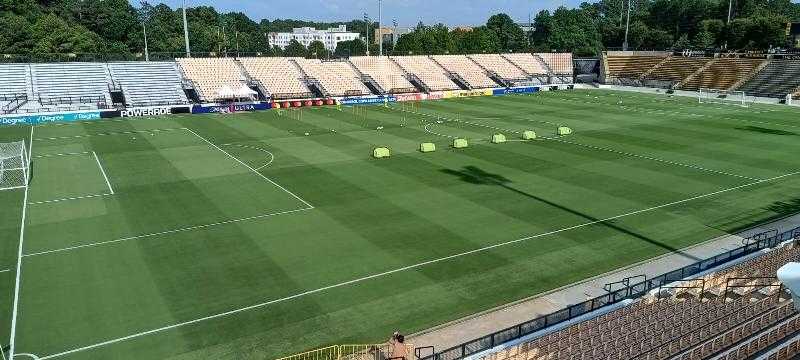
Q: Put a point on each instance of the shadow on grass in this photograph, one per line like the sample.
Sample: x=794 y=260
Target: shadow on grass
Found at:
x=764 y=130
x=779 y=209
x=475 y=175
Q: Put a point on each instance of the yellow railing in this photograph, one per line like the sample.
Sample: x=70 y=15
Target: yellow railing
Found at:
x=354 y=352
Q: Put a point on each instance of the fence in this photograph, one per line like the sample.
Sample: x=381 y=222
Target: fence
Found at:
x=629 y=291
x=354 y=352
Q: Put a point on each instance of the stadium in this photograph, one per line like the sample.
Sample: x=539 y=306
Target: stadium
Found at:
x=307 y=195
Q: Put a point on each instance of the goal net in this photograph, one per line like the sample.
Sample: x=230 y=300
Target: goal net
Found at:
x=715 y=96
x=14 y=165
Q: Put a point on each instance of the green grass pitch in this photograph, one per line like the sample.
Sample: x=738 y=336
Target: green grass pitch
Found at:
x=262 y=234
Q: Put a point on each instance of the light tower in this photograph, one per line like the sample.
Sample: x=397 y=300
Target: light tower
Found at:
x=186 y=31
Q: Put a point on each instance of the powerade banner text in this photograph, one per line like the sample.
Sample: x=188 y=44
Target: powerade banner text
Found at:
x=39 y=119
x=367 y=100
x=226 y=109
x=146 y=111
x=516 y=90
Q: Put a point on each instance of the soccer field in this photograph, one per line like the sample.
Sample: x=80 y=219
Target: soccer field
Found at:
x=239 y=236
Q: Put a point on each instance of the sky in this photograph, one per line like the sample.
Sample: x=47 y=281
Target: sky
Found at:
x=407 y=12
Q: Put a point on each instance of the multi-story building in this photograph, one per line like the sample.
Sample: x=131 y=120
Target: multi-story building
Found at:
x=307 y=35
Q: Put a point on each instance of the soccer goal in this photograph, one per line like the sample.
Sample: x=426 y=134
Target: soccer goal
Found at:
x=715 y=96
x=14 y=164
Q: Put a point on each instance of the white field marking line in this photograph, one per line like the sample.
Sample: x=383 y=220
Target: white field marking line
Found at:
x=62 y=154
x=691 y=166
x=97 y=159
x=189 y=228
x=17 y=283
x=69 y=199
x=405 y=268
x=271 y=155
x=109 y=134
x=251 y=169
x=428 y=130
x=6 y=270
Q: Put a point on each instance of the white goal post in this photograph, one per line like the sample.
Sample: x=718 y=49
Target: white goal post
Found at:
x=728 y=97
x=14 y=165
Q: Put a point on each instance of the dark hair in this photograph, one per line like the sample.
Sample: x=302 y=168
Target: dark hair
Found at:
x=400 y=338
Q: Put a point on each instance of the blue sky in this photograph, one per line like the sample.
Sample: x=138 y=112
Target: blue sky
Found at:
x=407 y=12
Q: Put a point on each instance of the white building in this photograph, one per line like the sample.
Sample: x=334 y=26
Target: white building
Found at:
x=307 y=35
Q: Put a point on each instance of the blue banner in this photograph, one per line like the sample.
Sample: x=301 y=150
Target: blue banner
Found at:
x=516 y=90
x=367 y=100
x=226 y=109
x=39 y=119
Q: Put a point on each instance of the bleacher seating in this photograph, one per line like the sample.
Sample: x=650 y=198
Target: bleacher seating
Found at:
x=528 y=63
x=777 y=79
x=664 y=325
x=149 y=83
x=677 y=68
x=431 y=74
x=722 y=73
x=211 y=74
x=465 y=68
x=500 y=66
x=559 y=63
x=71 y=86
x=631 y=67
x=15 y=79
x=337 y=77
x=278 y=75
x=384 y=72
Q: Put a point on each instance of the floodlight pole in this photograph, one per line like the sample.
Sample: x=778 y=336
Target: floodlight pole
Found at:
x=730 y=10
x=627 y=27
x=186 y=31
x=380 y=31
x=146 y=53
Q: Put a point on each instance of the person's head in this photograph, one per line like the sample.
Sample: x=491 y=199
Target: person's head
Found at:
x=400 y=338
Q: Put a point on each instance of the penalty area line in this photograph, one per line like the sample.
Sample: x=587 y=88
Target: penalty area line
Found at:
x=406 y=268
x=306 y=203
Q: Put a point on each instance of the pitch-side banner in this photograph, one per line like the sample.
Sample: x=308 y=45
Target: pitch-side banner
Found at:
x=46 y=118
x=227 y=109
x=364 y=100
x=411 y=97
x=515 y=90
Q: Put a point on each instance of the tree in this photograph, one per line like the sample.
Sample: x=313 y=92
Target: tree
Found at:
x=317 y=50
x=510 y=35
x=295 y=49
x=349 y=48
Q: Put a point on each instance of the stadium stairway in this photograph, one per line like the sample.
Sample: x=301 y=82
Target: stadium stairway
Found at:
x=368 y=81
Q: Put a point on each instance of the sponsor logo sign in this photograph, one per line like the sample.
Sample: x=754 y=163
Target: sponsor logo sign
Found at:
x=45 y=118
x=515 y=90
x=146 y=111
x=232 y=108
x=363 y=100
x=411 y=97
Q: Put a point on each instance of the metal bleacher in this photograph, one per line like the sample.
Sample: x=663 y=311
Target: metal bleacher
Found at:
x=149 y=83
x=777 y=79
x=71 y=86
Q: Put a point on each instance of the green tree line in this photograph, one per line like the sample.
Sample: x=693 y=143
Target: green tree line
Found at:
x=32 y=27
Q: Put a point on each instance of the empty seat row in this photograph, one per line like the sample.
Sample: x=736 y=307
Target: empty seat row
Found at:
x=279 y=76
x=336 y=77
x=631 y=67
x=466 y=69
x=722 y=73
x=71 y=83
x=426 y=70
x=149 y=83
x=384 y=72
x=499 y=65
x=528 y=63
x=777 y=79
x=210 y=75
